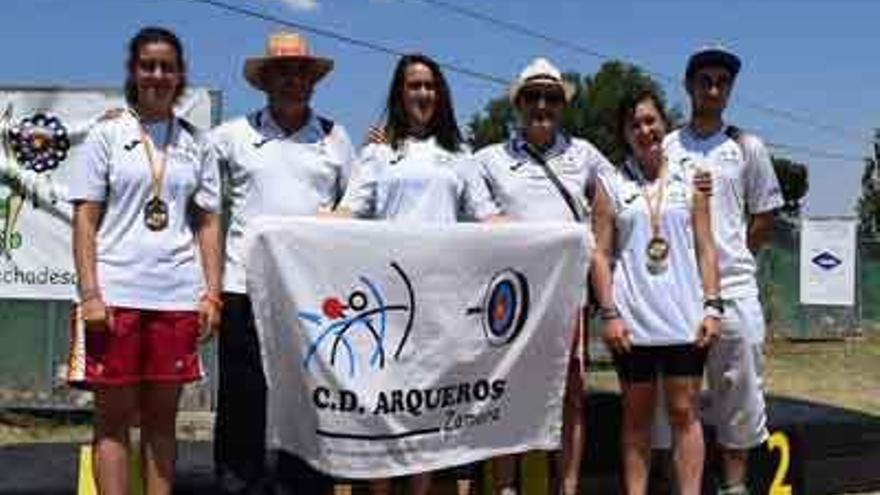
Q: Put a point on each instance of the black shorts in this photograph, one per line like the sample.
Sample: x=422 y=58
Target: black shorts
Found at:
x=645 y=363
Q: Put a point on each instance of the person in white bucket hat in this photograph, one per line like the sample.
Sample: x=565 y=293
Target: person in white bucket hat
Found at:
x=541 y=174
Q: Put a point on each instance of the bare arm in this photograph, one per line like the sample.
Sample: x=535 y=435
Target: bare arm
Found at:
x=707 y=258
x=615 y=334
x=86 y=218
x=760 y=231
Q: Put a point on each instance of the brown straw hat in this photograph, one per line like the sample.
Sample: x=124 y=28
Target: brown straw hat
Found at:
x=286 y=47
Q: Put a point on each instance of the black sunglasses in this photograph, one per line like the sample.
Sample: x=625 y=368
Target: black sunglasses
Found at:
x=551 y=97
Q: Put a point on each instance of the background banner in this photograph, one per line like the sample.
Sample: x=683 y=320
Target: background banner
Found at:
x=40 y=129
x=828 y=261
x=396 y=348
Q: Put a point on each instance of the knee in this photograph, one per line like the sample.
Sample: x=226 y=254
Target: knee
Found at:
x=682 y=414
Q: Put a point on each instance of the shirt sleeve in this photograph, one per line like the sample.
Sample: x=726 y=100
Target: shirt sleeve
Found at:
x=596 y=165
x=762 y=187
x=91 y=168
x=349 y=162
x=483 y=201
x=607 y=178
x=207 y=194
x=360 y=195
x=475 y=201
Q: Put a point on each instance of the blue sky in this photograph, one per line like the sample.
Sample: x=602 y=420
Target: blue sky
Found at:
x=815 y=58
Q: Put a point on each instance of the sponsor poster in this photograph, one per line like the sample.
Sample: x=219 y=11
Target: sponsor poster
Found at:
x=40 y=129
x=392 y=349
x=828 y=262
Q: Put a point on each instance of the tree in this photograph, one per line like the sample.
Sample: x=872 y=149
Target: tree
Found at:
x=869 y=202
x=793 y=180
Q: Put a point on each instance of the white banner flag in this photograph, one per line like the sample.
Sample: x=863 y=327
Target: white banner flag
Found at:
x=391 y=349
x=40 y=129
x=828 y=262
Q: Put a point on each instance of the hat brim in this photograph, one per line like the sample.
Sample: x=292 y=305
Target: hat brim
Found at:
x=713 y=58
x=567 y=88
x=316 y=68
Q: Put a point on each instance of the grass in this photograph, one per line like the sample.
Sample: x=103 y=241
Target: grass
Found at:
x=843 y=373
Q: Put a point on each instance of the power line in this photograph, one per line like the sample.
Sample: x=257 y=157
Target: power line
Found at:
x=830 y=155
x=326 y=33
x=581 y=49
x=452 y=67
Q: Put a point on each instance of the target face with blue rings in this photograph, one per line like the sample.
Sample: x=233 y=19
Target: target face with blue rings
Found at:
x=505 y=306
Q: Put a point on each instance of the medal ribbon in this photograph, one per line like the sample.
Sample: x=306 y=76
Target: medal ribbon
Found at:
x=157 y=166
x=654 y=207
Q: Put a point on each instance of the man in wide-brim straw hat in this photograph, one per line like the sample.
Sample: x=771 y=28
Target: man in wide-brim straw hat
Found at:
x=542 y=174
x=273 y=167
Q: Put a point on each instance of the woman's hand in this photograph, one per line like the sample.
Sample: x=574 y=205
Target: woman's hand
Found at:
x=708 y=331
x=376 y=135
x=616 y=336
x=94 y=313
x=210 y=307
x=703 y=181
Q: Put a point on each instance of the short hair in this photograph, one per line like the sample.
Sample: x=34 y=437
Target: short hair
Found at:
x=145 y=36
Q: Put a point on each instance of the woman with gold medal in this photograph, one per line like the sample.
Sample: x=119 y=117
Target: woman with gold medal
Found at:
x=656 y=276
x=146 y=243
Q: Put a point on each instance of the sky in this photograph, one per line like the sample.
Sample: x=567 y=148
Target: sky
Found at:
x=815 y=60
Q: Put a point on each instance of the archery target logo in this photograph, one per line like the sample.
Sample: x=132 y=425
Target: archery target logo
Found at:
x=504 y=308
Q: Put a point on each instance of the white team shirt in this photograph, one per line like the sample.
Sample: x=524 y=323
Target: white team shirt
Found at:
x=421 y=181
x=666 y=308
x=138 y=267
x=269 y=172
x=743 y=184
x=519 y=187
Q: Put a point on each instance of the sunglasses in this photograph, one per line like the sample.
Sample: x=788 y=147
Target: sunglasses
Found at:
x=550 y=97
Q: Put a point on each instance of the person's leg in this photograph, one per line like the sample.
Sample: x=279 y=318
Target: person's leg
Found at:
x=115 y=407
x=637 y=373
x=158 y=443
x=567 y=474
x=662 y=478
x=682 y=402
x=734 y=375
x=419 y=484
x=638 y=406
x=504 y=474
x=240 y=421
x=380 y=486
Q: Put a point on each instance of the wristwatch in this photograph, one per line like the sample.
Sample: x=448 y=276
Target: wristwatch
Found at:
x=713 y=307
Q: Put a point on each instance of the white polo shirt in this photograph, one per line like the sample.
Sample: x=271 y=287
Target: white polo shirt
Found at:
x=519 y=187
x=743 y=184
x=421 y=181
x=664 y=308
x=138 y=267
x=269 y=172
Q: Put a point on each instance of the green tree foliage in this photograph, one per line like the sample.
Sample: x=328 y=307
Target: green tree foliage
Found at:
x=869 y=202
x=794 y=182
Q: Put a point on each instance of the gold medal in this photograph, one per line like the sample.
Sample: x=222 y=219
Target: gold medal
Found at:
x=657 y=250
x=658 y=255
x=156 y=210
x=156 y=214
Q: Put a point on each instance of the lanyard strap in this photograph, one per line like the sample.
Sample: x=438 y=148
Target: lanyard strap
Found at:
x=157 y=164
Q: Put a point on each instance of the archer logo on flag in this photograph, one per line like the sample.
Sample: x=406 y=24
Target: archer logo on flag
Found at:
x=364 y=311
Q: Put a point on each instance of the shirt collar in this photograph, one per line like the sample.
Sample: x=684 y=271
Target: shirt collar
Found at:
x=518 y=144
x=309 y=133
